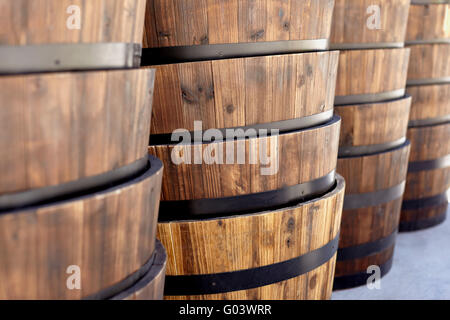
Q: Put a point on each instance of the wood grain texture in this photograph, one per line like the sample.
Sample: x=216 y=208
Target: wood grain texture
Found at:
x=109 y=235
x=25 y=22
x=240 y=92
x=350 y=21
x=364 y=225
x=250 y=241
x=371 y=71
x=429 y=61
x=429 y=102
x=302 y=156
x=429 y=22
x=373 y=123
x=61 y=127
x=199 y=22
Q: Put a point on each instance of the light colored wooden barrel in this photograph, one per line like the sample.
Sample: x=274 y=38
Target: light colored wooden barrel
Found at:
x=296 y=158
x=430 y=104
x=373 y=127
x=358 y=81
x=109 y=235
x=201 y=252
x=355 y=24
x=245 y=92
x=41 y=22
x=428 y=23
x=372 y=205
x=60 y=128
x=429 y=64
x=151 y=285
x=425 y=202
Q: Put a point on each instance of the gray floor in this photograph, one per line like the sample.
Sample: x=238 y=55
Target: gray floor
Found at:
x=421 y=269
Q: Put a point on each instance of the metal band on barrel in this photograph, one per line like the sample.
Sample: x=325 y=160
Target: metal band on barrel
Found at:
x=365 y=46
x=429 y=121
x=416 y=225
x=22 y=200
x=250 y=278
x=367 y=249
x=425 y=82
x=369 y=97
x=434 y=164
x=245 y=204
x=424 y=2
x=166 y=55
x=422 y=203
x=352 y=151
x=428 y=41
x=68 y=56
x=366 y=200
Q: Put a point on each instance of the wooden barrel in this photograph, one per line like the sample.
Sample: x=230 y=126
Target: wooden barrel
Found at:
x=55 y=35
x=151 y=285
x=287 y=253
x=193 y=30
x=247 y=174
x=373 y=127
x=93 y=236
x=372 y=205
x=286 y=92
x=430 y=105
x=359 y=82
x=69 y=132
x=428 y=23
x=368 y=24
x=429 y=64
x=426 y=199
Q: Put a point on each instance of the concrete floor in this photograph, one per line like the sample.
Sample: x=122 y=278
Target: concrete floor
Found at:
x=421 y=269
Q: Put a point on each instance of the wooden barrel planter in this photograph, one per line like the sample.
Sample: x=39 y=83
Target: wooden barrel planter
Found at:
x=430 y=105
x=151 y=285
x=95 y=233
x=287 y=92
x=70 y=132
x=55 y=35
x=426 y=199
x=286 y=253
x=373 y=127
x=428 y=22
x=247 y=173
x=358 y=82
x=372 y=206
x=355 y=25
x=195 y=30
x=429 y=64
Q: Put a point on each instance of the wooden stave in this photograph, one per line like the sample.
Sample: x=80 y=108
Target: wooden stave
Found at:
x=427 y=23
x=428 y=63
x=430 y=104
x=47 y=277
x=151 y=286
x=350 y=23
x=124 y=138
x=112 y=19
x=172 y=31
x=207 y=91
x=275 y=291
x=381 y=220
x=388 y=61
x=175 y=189
x=373 y=124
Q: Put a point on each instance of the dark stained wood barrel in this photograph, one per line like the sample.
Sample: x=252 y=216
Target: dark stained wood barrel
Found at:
x=373 y=127
x=151 y=285
x=288 y=92
x=193 y=30
x=61 y=128
x=428 y=23
x=265 y=255
x=96 y=232
x=46 y=36
x=355 y=25
x=426 y=197
x=359 y=82
x=372 y=205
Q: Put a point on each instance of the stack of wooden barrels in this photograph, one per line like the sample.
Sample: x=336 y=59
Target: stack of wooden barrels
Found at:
x=79 y=195
x=243 y=122
x=373 y=149
x=428 y=36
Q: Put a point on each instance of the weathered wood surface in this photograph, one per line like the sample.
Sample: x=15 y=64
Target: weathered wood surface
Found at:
x=58 y=128
x=429 y=61
x=428 y=22
x=430 y=102
x=250 y=241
